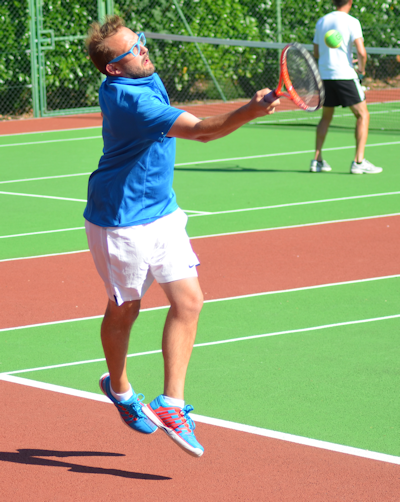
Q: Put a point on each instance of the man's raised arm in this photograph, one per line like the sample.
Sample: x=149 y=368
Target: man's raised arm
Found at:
x=187 y=126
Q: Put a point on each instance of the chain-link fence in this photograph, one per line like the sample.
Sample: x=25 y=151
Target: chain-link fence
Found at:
x=67 y=77
x=15 y=61
x=44 y=67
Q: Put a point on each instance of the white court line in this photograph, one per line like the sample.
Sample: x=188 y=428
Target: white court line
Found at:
x=292 y=204
x=191 y=238
x=236 y=211
x=282 y=154
x=50 y=141
x=336 y=116
x=40 y=233
x=208 y=344
x=299 y=152
x=292 y=226
x=44 y=178
x=55 y=131
x=42 y=196
x=228 y=298
x=240 y=297
x=186 y=163
x=50 y=254
x=55 y=388
x=249 y=429
x=198 y=213
x=215 y=300
x=229 y=211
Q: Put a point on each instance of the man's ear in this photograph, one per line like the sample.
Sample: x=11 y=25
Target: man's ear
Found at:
x=113 y=70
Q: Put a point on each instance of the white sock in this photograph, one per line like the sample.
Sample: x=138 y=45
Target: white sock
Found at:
x=172 y=401
x=124 y=396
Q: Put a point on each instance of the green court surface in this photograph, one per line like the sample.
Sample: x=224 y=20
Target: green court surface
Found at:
x=318 y=362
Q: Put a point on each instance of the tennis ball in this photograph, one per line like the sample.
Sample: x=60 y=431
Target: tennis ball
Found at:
x=333 y=39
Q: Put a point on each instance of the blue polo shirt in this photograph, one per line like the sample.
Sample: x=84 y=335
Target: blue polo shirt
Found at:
x=133 y=182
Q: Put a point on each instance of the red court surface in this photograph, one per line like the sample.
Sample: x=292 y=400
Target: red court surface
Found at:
x=55 y=447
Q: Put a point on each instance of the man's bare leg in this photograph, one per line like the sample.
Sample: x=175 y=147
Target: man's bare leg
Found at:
x=361 y=113
x=322 y=130
x=179 y=334
x=115 y=332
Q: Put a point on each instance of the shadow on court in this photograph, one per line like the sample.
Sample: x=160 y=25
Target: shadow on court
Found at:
x=307 y=126
x=241 y=169
x=32 y=457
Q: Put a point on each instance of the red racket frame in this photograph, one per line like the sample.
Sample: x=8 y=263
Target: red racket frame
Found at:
x=284 y=79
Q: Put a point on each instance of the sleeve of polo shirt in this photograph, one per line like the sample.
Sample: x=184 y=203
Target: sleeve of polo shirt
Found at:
x=356 y=30
x=153 y=118
x=316 y=34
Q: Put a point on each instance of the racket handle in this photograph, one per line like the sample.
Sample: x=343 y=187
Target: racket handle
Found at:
x=270 y=97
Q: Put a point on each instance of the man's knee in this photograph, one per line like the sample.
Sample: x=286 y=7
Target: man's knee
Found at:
x=365 y=114
x=189 y=306
x=193 y=303
x=360 y=111
x=185 y=296
x=122 y=315
x=197 y=302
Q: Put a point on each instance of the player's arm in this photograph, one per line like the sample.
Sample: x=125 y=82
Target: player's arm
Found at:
x=316 y=51
x=187 y=126
x=361 y=55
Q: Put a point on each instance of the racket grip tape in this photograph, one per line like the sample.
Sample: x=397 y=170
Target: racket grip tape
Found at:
x=270 y=97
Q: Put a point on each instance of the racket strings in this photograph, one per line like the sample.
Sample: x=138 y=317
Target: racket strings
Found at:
x=303 y=77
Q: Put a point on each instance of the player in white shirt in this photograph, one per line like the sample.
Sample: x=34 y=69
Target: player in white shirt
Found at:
x=342 y=83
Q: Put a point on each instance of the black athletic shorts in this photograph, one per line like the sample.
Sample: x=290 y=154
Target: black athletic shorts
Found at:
x=343 y=92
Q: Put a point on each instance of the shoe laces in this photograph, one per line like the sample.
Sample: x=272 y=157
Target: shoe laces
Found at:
x=188 y=423
x=134 y=409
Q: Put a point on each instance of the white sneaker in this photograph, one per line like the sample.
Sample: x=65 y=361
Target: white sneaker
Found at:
x=365 y=167
x=317 y=166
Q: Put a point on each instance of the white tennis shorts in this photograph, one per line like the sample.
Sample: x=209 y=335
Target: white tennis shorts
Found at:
x=128 y=259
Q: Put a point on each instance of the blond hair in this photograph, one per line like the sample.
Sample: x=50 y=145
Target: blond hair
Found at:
x=99 y=52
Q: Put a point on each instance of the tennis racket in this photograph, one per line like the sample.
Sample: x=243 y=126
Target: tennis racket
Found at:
x=300 y=77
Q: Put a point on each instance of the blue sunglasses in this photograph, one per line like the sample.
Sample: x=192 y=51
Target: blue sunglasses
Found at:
x=134 y=50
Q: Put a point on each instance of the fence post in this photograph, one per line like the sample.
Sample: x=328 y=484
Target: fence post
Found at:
x=279 y=20
x=101 y=10
x=279 y=26
x=34 y=67
x=110 y=7
x=40 y=57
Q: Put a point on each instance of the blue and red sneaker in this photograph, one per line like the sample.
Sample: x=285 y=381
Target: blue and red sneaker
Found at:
x=175 y=422
x=130 y=410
